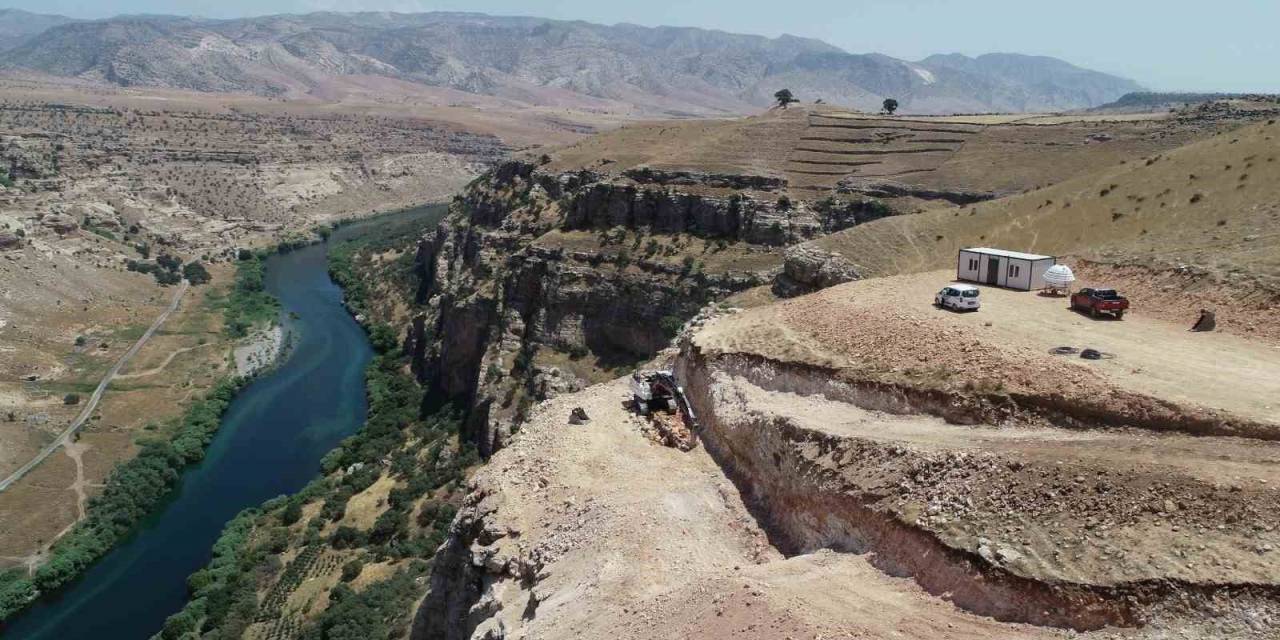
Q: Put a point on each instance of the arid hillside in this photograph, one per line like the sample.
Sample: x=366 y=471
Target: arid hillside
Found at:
x=958 y=470
x=1190 y=228
x=859 y=446
x=1211 y=205
x=621 y=68
x=855 y=445
x=915 y=162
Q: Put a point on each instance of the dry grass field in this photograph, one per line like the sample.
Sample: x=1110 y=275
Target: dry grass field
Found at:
x=1211 y=206
x=183 y=359
x=821 y=150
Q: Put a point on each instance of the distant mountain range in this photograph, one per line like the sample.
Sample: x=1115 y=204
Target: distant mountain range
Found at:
x=17 y=25
x=660 y=70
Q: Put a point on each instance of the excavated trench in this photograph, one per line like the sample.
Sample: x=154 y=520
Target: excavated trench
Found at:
x=805 y=506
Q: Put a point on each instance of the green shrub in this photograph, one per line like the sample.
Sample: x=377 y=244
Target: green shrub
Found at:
x=383 y=338
x=249 y=303
x=671 y=325
x=291 y=513
x=196 y=273
x=391 y=524
x=345 y=537
x=351 y=570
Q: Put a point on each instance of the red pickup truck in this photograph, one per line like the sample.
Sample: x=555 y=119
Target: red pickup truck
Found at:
x=1100 y=301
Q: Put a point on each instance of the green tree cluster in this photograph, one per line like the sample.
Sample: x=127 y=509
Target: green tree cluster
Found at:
x=195 y=273
x=249 y=303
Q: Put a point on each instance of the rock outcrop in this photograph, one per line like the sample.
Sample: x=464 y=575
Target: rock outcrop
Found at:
x=538 y=282
x=878 y=188
x=806 y=269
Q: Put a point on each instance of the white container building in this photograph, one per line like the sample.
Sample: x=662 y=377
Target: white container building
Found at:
x=1002 y=268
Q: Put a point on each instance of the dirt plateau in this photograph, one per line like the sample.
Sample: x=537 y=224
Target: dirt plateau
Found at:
x=833 y=498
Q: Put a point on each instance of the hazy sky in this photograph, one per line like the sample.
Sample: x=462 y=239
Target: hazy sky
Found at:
x=1226 y=45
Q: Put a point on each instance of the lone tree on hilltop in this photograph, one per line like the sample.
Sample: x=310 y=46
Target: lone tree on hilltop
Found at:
x=785 y=97
x=890 y=105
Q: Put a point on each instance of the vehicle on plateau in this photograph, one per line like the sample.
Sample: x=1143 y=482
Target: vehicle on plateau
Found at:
x=958 y=297
x=1100 y=301
x=657 y=396
x=657 y=390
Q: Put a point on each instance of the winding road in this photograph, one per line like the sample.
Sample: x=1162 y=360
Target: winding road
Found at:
x=92 y=403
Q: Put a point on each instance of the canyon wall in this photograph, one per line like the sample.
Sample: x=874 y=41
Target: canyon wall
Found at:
x=538 y=283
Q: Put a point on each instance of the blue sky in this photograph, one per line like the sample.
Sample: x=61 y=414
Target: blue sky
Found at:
x=1227 y=45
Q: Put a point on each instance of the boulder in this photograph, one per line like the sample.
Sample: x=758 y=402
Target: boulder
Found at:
x=61 y=223
x=807 y=269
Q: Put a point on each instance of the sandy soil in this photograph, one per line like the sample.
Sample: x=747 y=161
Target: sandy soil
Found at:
x=259 y=350
x=643 y=541
x=890 y=325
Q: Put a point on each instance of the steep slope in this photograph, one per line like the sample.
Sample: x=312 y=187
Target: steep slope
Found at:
x=657 y=70
x=540 y=282
x=949 y=468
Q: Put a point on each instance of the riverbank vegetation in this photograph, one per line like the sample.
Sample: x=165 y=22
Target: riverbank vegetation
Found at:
x=132 y=491
x=385 y=502
x=249 y=304
x=375 y=270
x=140 y=484
x=361 y=536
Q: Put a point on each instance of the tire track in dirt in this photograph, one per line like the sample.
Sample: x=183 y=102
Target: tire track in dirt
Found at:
x=160 y=367
x=98 y=392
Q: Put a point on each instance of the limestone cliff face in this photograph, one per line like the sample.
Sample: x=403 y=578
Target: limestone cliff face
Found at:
x=535 y=281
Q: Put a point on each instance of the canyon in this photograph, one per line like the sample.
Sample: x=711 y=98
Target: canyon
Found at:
x=863 y=464
x=854 y=443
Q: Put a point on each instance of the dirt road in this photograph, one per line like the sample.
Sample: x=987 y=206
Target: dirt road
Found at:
x=640 y=541
x=92 y=402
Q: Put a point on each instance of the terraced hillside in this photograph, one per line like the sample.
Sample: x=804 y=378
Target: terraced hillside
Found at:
x=819 y=151
x=835 y=146
x=1209 y=206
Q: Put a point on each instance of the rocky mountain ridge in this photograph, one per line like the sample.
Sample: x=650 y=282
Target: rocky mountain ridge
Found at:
x=667 y=70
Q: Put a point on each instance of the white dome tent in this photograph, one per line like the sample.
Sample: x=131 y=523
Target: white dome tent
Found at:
x=1059 y=277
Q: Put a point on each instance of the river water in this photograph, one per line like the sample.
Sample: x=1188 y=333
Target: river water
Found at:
x=270 y=443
